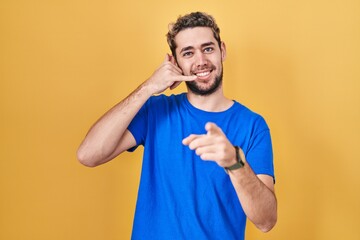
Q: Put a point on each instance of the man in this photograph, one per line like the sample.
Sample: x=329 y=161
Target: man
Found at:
x=189 y=140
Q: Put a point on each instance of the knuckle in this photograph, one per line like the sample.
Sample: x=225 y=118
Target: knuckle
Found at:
x=198 y=151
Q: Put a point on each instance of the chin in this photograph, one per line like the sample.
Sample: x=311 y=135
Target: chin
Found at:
x=197 y=89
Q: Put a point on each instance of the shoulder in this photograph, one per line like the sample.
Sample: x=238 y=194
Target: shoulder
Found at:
x=247 y=113
x=249 y=116
x=162 y=104
x=162 y=100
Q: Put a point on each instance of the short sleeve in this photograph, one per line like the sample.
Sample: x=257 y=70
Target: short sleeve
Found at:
x=138 y=126
x=260 y=153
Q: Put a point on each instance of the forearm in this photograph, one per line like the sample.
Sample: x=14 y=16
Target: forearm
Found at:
x=256 y=195
x=105 y=135
x=257 y=199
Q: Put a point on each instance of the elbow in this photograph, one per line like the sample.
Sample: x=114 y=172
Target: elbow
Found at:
x=84 y=159
x=266 y=228
x=268 y=225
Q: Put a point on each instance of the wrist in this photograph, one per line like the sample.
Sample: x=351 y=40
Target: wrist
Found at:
x=147 y=89
x=239 y=161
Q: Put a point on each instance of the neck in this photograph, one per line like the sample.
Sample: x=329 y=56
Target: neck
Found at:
x=215 y=102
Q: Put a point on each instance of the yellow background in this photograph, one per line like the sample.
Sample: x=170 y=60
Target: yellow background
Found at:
x=65 y=62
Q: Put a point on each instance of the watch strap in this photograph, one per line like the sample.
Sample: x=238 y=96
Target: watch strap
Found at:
x=239 y=162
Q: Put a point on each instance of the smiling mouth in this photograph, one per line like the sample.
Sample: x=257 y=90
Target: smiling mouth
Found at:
x=203 y=74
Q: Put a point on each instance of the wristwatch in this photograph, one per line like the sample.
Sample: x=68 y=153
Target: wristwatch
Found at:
x=239 y=162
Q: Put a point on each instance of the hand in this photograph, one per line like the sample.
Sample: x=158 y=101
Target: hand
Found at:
x=212 y=146
x=168 y=75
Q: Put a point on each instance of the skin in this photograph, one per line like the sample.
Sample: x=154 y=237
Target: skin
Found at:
x=199 y=59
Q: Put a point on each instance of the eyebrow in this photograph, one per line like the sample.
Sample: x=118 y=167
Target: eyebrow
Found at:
x=202 y=46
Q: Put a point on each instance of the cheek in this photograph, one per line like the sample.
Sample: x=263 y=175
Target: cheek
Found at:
x=185 y=67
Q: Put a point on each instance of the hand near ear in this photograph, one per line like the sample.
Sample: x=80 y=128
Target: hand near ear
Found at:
x=173 y=61
x=168 y=75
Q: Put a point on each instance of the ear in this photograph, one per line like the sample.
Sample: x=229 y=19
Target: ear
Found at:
x=223 y=51
x=173 y=60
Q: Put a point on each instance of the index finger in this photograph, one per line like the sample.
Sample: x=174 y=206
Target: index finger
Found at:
x=189 y=139
x=212 y=128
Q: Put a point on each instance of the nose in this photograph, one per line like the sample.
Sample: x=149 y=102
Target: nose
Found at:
x=200 y=59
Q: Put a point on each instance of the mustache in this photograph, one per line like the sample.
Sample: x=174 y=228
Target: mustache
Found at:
x=209 y=67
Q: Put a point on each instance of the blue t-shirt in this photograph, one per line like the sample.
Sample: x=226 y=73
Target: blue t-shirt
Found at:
x=181 y=196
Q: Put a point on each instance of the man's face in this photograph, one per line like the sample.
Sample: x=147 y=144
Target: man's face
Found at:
x=198 y=53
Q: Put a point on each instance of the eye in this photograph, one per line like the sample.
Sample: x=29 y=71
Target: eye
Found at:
x=187 y=54
x=208 y=49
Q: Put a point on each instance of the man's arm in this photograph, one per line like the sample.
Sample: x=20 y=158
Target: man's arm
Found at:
x=255 y=192
x=257 y=196
x=109 y=136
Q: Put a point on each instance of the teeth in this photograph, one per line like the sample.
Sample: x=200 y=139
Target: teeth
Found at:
x=203 y=74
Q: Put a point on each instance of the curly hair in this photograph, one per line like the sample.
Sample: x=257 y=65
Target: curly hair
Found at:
x=191 y=20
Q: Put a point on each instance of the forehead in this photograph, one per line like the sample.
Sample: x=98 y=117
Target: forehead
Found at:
x=194 y=37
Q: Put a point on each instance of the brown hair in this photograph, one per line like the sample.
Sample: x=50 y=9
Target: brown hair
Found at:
x=191 y=20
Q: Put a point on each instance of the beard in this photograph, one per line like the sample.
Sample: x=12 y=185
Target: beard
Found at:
x=205 y=91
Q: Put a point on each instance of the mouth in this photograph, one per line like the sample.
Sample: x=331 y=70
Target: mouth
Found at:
x=203 y=75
